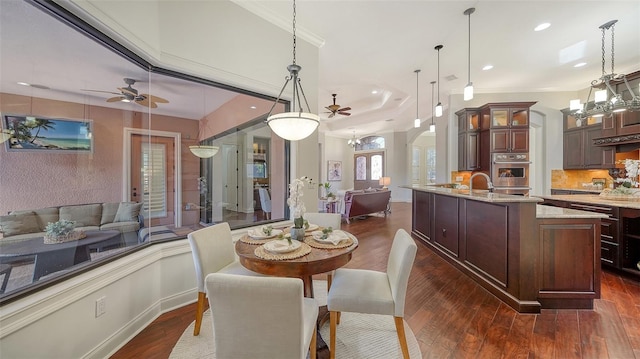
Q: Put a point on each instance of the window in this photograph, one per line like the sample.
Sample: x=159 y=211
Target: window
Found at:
x=96 y=179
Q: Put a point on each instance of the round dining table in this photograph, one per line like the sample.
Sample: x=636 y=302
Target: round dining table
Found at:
x=316 y=262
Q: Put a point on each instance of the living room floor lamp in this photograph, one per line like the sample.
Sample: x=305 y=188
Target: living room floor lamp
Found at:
x=293 y=125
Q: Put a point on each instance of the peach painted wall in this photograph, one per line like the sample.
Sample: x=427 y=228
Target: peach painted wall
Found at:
x=30 y=180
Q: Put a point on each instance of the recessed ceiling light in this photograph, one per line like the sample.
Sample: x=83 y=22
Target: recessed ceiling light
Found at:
x=487 y=67
x=252 y=107
x=23 y=84
x=42 y=87
x=389 y=120
x=580 y=64
x=374 y=92
x=542 y=26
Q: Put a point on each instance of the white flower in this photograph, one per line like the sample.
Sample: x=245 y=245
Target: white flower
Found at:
x=296 y=188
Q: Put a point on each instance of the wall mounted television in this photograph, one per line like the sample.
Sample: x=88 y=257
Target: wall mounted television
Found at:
x=39 y=134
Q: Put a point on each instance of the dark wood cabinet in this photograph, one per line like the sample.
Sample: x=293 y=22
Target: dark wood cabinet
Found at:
x=468 y=139
x=627 y=122
x=508 y=125
x=579 y=152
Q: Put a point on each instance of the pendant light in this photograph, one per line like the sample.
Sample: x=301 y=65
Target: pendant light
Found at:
x=293 y=125
x=416 y=122
x=468 y=90
x=432 y=127
x=439 y=105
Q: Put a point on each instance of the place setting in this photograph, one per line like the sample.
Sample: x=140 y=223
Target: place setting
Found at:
x=327 y=238
x=261 y=235
x=282 y=248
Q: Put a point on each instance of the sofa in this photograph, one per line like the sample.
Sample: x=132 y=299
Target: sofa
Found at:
x=121 y=216
x=363 y=202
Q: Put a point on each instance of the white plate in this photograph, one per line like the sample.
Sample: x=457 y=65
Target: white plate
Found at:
x=312 y=227
x=259 y=234
x=282 y=246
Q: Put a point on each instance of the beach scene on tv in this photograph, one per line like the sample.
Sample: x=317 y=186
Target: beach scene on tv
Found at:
x=39 y=133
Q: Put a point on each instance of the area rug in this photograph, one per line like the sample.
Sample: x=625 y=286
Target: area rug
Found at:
x=359 y=336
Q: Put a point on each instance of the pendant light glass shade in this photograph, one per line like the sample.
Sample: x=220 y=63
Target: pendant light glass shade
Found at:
x=468 y=90
x=293 y=125
x=439 y=105
x=204 y=151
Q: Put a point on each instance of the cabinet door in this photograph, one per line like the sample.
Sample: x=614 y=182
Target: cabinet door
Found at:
x=628 y=122
x=462 y=151
x=519 y=117
x=572 y=150
x=593 y=155
x=445 y=224
x=473 y=150
x=500 y=140
x=519 y=140
x=500 y=117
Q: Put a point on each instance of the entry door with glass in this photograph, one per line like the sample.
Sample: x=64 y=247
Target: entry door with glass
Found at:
x=368 y=169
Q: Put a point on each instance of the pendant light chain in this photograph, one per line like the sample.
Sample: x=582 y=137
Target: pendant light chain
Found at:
x=294 y=32
x=613 y=27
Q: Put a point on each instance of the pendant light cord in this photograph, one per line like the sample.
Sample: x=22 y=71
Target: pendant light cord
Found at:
x=469 y=52
x=432 y=106
x=417 y=96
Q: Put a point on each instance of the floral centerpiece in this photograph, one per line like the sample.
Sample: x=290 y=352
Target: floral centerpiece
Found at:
x=62 y=231
x=296 y=204
x=627 y=188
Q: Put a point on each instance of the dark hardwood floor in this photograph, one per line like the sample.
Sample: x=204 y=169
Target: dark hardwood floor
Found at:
x=453 y=317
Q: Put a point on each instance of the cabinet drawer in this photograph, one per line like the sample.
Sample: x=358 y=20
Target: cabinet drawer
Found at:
x=610 y=211
x=609 y=229
x=609 y=253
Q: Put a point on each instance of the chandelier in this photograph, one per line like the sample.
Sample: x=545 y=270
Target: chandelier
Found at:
x=354 y=141
x=603 y=104
x=293 y=125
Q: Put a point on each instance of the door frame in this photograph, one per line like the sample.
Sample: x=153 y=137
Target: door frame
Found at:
x=177 y=177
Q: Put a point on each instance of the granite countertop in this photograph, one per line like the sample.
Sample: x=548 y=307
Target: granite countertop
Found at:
x=557 y=212
x=593 y=199
x=585 y=190
x=480 y=195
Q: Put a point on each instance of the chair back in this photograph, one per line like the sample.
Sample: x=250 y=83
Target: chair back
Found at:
x=333 y=220
x=212 y=250
x=265 y=199
x=401 y=258
x=256 y=317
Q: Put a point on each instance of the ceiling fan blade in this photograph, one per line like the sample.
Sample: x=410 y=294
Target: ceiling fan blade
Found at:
x=127 y=90
x=344 y=113
x=345 y=109
x=146 y=103
x=115 y=99
x=111 y=92
x=155 y=98
x=332 y=114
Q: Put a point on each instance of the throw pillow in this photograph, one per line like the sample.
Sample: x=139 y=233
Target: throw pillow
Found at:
x=127 y=212
x=84 y=215
x=22 y=223
x=43 y=215
x=109 y=211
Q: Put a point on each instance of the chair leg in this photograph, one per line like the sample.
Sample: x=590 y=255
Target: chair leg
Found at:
x=202 y=298
x=338 y=318
x=333 y=316
x=313 y=345
x=329 y=280
x=401 y=336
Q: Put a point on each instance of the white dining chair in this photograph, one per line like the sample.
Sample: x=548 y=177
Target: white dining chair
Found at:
x=265 y=202
x=374 y=292
x=213 y=251
x=261 y=317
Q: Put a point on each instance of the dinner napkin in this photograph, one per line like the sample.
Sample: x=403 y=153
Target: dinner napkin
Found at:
x=256 y=233
x=334 y=237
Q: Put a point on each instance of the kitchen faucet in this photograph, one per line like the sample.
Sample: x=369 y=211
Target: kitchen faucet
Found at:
x=489 y=184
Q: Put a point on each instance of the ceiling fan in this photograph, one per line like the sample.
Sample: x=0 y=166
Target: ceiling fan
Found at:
x=335 y=109
x=129 y=94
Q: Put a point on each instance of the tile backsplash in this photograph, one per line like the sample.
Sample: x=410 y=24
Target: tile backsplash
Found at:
x=578 y=179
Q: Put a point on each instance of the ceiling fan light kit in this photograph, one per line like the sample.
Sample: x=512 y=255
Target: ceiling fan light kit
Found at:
x=468 y=90
x=293 y=125
x=603 y=105
x=439 y=105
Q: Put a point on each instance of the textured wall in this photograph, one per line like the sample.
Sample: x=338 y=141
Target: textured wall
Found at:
x=41 y=179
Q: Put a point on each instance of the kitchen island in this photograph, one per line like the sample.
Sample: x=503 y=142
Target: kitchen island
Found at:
x=620 y=230
x=529 y=256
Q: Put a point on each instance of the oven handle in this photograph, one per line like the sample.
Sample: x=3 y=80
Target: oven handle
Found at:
x=511 y=163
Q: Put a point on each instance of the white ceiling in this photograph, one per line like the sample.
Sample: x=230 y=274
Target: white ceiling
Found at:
x=365 y=46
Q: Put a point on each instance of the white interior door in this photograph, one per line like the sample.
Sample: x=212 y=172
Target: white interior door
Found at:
x=230 y=176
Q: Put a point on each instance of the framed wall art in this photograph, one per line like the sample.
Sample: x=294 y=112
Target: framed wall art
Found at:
x=334 y=170
x=35 y=133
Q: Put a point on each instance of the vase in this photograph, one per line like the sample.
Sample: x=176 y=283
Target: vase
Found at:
x=297 y=234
